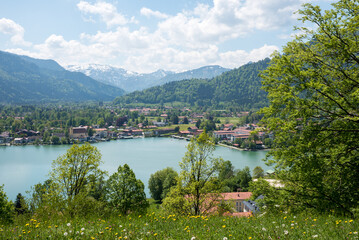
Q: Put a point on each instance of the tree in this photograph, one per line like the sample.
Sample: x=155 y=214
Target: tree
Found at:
x=20 y=204
x=126 y=193
x=185 y=120
x=6 y=208
x=72 y=170
x=197 y=189
x=161 y=182
x=258 y=172
x=55 y=140
x=313 y=92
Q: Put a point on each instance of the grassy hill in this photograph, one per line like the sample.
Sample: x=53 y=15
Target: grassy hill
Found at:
x=240 y=87
x=28 y=80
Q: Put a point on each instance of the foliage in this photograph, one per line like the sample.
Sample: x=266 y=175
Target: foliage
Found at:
x=126 y=193
x=161 y=182
x=234 y=179
x=197 y=187
x=313 y=92
x=258 y=172
x=72 y=170
x=240 y=87
x=6 y=208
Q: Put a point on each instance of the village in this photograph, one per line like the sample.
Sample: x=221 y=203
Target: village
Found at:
x=149 y=122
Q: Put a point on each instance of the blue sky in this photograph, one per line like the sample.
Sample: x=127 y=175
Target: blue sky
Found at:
x=144 y=36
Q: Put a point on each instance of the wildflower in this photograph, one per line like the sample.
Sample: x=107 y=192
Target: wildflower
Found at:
x=82 y=233
x=225 y=238
x=356 y=233
x=77 y=232
x=69 y=224
x=193 y=238
x=263 y=229
x=65 y=234
x=286 y=232
x=223 y=226
x=82 y=229
x=315 y=236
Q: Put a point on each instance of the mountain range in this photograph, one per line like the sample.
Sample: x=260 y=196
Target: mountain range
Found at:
x=29 y=80
x=238 y=87
x=132 y=81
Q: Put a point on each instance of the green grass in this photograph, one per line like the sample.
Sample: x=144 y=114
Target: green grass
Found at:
x=155 y=225
x=225 y=120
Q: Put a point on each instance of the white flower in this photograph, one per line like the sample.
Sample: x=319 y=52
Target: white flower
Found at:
x=225 y=238
x=283 y=225
x=263 y=229
x=82 y=229
x=285 y=232
x=193 y=238
x=355 y=233
x=292 y=224
x=77 y=232
x=276 y=205
x=82 y=233
x=315 y=236
x=69 y=224
x=65 y=233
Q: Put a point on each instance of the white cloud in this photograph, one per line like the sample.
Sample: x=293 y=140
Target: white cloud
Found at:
x=9 y=27
x=150 y=13
x=186 y=40
x=107 y=11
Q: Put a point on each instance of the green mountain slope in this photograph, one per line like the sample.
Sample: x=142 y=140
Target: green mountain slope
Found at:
x=239 y=87
x=29 y=80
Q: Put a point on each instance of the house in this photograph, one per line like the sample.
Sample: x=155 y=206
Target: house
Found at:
x=78 y=132
x=251 y=206
x=163 y=131
x=236 y=199
x=5 y=137
x=137 y=132
x=223 y=135
x=19 y=140
x=192 y=129
x=101 y=133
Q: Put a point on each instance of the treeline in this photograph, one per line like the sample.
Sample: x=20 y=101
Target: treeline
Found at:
x=239 y=87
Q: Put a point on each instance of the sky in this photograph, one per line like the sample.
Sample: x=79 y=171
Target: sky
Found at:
x=144 y=36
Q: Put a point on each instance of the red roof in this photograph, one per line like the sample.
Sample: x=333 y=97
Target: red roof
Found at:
x=236 y=195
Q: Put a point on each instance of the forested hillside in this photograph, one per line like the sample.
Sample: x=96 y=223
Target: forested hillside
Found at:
x=240 y=87
x=24 y=79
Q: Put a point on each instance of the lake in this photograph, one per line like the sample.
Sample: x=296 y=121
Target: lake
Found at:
x=24 y=166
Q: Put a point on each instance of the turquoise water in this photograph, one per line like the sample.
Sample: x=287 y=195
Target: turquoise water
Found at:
x=24 y=166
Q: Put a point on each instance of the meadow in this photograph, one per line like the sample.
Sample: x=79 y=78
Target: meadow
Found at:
x=155 y=225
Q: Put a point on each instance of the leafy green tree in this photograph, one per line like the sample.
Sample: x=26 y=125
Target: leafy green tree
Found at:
x=245 y=178
x=55 y=140
x=313 y=92
x=126 y=193
x=6 y=208
x=72 y=170
x=161 y=182
x=258 y=172
x=197 y=189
